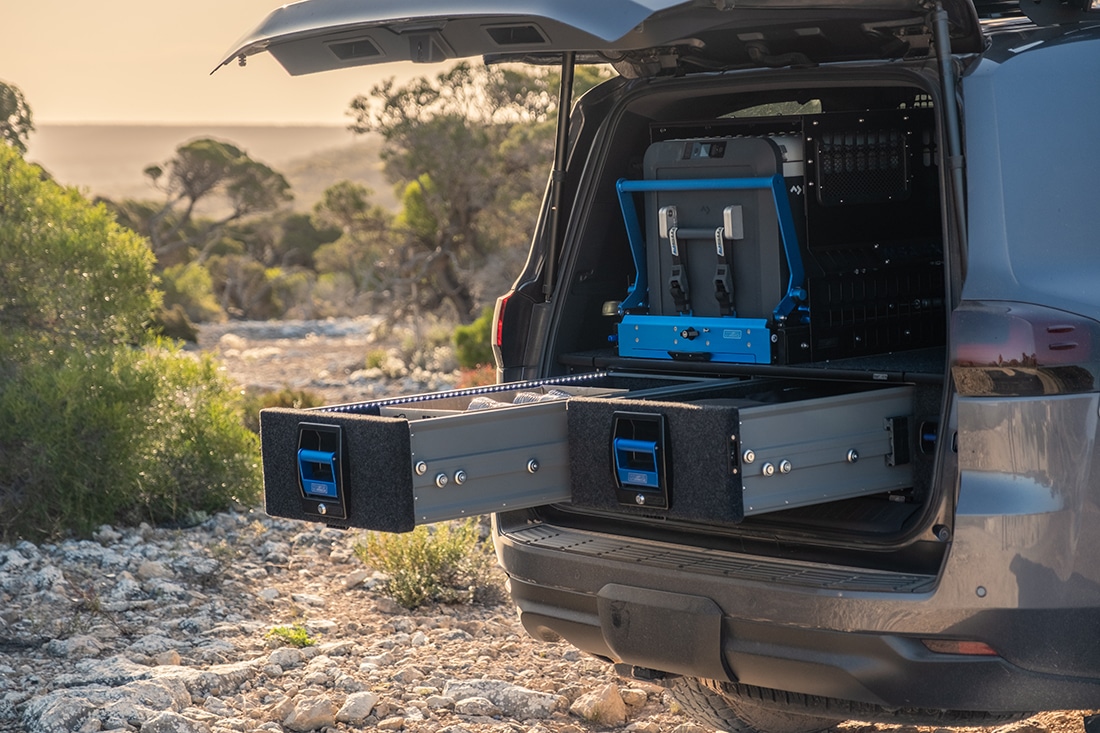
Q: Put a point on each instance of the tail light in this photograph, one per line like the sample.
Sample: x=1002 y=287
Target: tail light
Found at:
x=498 y=318
x=1018 y=349
x=960 y=646
x=498 y=325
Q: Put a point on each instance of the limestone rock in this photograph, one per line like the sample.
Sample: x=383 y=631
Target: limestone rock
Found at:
x=477 y=706
x=74 y=647
x=150 y=569
x=311 y=714
x=357 y=707
x=515 y=701
x=286 y=657
x=690 y=728
x=170 y=658
x=169 y=722
x=604 y=706
x=1023 y=726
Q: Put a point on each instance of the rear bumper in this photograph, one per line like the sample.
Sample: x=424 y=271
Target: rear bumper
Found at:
x=848 y=642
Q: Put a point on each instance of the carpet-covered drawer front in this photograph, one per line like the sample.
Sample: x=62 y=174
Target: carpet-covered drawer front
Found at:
x=393 y=464
x=720 y=459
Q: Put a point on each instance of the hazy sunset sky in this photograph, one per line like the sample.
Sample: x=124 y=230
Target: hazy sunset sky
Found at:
x=150 y=61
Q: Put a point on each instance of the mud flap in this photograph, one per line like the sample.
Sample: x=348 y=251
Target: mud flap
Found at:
x=669 y=632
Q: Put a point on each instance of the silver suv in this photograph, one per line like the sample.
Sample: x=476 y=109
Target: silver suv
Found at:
x=807 y=350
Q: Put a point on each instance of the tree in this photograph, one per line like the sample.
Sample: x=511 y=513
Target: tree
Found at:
x=71 y=277
x=199 y=171
x=451 y=129
x=364 y=252
x=99 y=421
x=16 y=123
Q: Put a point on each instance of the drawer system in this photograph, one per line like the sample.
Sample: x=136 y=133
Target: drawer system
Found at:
x=712 y=450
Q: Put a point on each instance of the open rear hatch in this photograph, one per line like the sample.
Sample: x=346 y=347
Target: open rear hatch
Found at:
x=640 y=38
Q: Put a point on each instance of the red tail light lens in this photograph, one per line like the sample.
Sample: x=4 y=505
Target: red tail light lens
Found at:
x=1018 y=349
x=498 y=319
x=958 y=646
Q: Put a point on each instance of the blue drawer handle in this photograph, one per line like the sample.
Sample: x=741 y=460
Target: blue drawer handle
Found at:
x=317 y=469
x=636 y=463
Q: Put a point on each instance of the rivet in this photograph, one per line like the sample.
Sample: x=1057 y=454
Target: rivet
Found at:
x=639 y=499
x=532 y=466
x=421 y=468
x=785 y=466
x=441 y=480
x=322 y=509
x=460 y=477
x=853 y=456
x=767 y=469
x=748 y=456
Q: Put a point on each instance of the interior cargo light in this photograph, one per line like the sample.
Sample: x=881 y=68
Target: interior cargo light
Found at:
x=1018 y=349
x=959 y=646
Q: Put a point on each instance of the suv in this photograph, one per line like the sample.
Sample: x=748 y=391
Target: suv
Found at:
x=798 y=400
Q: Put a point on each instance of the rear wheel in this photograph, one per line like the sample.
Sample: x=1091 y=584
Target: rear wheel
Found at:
x=707 y=703
x=746 y=709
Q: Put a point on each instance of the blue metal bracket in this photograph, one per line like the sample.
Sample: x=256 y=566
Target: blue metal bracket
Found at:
x=638 y=295
x=722 y=339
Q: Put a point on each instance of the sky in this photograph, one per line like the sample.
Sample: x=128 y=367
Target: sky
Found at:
x=149 y=61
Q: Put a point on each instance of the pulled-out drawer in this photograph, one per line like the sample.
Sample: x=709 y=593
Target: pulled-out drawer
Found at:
x=757 y=448
x=698 y=450
x=393 y=464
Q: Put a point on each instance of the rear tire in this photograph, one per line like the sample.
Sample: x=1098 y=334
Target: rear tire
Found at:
x=738 y=708
x=705 y=701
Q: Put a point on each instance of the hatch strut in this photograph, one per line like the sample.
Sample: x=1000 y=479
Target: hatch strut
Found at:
x=557 y=175
x=942 y=37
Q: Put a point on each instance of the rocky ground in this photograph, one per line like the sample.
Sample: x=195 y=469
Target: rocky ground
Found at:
x=330 y=358
x=169 y=630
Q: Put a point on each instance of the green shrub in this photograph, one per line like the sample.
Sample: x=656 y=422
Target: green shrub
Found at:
x=173 y=323
x=191 y=287
x=376 y=358
x=69 y=275
x=255 y=401
x=99 y=423
x=119 y=436
x=444 y=563
x=295 y=636
x=474 y=342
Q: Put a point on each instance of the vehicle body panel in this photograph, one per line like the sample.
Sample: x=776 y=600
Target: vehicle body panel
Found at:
x=319 y=35
x=1033 y=235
